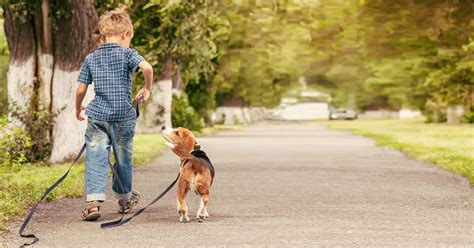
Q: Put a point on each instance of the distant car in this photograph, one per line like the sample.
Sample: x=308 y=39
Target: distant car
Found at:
x=342 y=114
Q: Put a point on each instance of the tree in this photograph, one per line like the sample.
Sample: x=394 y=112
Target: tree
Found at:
x=44 y=64
x=264 y=54
x=393 y=54
x=178 y=38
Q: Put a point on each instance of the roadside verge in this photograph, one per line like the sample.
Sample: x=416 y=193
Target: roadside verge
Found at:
x=449 y=146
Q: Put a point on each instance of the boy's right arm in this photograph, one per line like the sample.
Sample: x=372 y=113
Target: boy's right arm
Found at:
x=80 y=94
x=147 y=70
x=85 y=78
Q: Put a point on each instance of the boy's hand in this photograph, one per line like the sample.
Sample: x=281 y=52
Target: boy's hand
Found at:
x=79 y=116
x=142 y=95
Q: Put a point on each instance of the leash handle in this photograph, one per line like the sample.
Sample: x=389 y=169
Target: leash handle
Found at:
x=140 y=99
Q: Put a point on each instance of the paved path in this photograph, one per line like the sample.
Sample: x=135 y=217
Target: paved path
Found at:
x=283 y=185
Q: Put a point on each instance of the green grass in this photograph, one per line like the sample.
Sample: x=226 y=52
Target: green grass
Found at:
x=216 y=128
x=145 y=147
x=23 y=188
x=449 y=146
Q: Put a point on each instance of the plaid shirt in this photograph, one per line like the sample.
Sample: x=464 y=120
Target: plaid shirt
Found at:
x=110 y=68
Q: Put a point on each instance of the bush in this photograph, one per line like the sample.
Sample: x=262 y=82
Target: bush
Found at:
x=435 y=112
x=469 y=118
x=38 y=125
x=182 y=115
x=4 y=60
x=3 y=121
x=201 y=96
x=14 y=146
x=436 y=117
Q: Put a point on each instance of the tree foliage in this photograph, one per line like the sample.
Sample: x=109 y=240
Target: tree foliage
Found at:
x=262 y=56
x=181 y=31
x=180 y=40
x=368 y=54
x=393 y=54
x=423 y=51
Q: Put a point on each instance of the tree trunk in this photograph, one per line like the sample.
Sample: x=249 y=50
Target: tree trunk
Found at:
x=44 y=61
x=22 y=67
x=351 y=99
x=176 y=78
x=70 y=50
x=454 y=114
x=176 y=81
x=44 y=54
x=157 y=110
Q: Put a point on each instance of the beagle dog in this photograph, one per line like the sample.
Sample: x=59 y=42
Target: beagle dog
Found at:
x=196 y=170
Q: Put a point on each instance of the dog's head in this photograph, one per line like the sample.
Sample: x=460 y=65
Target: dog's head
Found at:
x=179 y=139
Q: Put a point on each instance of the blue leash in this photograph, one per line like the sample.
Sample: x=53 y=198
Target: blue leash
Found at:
x=33 y=209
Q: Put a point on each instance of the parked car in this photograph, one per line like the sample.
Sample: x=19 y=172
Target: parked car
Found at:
x=342 y=114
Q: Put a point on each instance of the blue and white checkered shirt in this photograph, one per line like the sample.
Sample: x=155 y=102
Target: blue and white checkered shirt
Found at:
x=110 y=68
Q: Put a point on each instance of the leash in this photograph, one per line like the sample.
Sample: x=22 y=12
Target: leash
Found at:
x=79 y=155
x=114 y=172
x=33 y=209
x=122 y=221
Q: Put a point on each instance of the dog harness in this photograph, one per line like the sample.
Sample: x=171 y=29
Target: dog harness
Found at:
x=200 y=154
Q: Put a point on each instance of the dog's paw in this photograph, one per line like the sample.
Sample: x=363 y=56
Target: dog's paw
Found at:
x=200 y=218
x=183 y=219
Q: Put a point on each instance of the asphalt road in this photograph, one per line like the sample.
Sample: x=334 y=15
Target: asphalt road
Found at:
x=280 y=185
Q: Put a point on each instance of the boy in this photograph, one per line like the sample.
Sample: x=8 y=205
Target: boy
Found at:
x=111 y=118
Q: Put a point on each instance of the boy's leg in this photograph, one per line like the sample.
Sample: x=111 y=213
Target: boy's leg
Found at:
x=96 y=161
x=123 y=133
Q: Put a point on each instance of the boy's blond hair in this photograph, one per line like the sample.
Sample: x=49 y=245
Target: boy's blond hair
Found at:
x=115 y=22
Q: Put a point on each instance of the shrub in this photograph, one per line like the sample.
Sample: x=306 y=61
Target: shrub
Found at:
x=14 y=146
x=182 y=115
x=3 y=121
x=435 y=112
x=4 y=60
x=38 y=125
x=201 y=96
x=469 y=118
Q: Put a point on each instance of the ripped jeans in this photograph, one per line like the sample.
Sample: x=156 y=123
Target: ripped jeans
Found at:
x=99 y=139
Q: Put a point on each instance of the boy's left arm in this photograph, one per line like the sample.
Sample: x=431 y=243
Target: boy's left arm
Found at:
x=147 y=70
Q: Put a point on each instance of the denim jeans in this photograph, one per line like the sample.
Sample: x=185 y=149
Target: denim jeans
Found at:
x=100 y=137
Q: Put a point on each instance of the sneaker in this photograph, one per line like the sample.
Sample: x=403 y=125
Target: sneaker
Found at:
x=130 y=203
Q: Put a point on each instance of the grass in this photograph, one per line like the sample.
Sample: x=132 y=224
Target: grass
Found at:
x=449 y=146
x=216 y=128
x=23 y=188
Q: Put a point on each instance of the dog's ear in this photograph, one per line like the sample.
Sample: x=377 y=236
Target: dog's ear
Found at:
x=187 y=142
x=182 y=154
